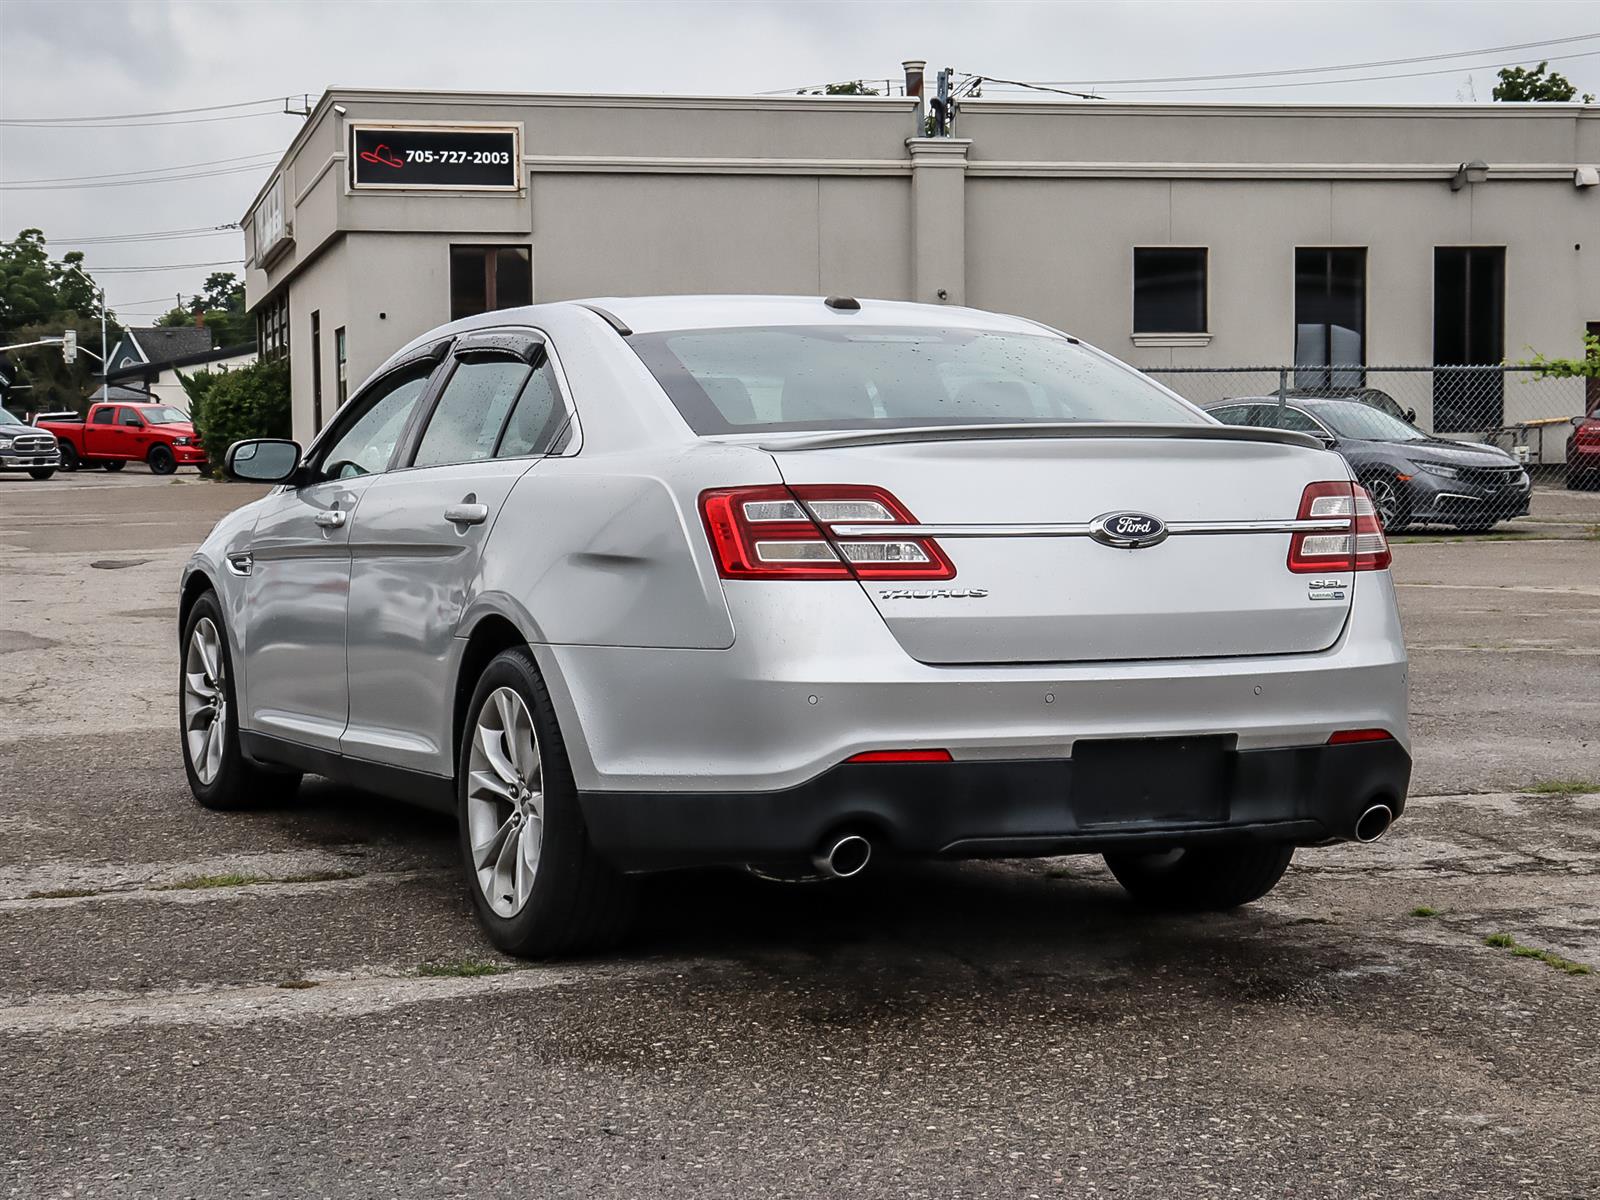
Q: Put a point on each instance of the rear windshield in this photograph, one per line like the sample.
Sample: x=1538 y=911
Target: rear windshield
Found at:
x=803 y=377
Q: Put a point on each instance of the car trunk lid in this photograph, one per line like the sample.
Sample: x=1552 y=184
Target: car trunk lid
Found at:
x=1020 y=516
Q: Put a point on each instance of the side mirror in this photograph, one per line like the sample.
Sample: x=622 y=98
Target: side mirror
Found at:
x=1411 y=415
x=262 y=460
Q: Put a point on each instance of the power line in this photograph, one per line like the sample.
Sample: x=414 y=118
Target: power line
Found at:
x=57 y=187
x=147 y=124
x=141 y=170
x=1250 y=87
x=1361 y=66
x=167 y=112
x=163 y=235
x=221 y=262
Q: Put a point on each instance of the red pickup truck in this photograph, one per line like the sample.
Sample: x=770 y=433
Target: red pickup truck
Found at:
x=113 y=435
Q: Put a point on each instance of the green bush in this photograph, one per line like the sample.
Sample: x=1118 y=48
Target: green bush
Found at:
x=229 y=406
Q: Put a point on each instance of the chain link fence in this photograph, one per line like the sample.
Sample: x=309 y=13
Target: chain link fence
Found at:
x=1509 y=406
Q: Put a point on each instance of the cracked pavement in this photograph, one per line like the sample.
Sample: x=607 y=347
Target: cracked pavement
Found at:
x=296 y=1002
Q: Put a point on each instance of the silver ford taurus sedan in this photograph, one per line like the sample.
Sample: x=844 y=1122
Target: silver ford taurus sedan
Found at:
x=797 y=584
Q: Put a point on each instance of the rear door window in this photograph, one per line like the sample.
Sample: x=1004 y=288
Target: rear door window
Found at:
x=466 y=423
x=105 y=416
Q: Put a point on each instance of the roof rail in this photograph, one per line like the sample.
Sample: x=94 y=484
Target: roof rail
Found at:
x=610 y=318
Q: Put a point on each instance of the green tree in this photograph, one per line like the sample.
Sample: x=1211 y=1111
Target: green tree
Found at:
x=852 y=87
x=221 y=303
x=43 y=299
x=229 y=406
x=1519 y=83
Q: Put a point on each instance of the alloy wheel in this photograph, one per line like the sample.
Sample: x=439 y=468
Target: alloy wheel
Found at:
x=1386 y=499
x=505 y=802
x=205 y=700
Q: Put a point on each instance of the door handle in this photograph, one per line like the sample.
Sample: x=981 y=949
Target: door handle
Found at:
x=467 y=514
x=331 y=519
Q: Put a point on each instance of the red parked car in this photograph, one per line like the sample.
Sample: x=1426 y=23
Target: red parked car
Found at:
x=1583 y=454
x=115 y=434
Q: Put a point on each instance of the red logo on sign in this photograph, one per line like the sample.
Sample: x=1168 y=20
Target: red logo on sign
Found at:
x=382 y=155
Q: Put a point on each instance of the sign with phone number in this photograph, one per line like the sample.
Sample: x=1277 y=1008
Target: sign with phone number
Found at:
x=438 y=157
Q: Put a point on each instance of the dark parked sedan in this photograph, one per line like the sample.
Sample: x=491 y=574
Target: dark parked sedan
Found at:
x=1414 y=479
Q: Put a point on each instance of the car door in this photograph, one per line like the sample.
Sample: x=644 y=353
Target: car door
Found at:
x=133 y=435
x=100 y=437
x=299 y=567
x=418 y=539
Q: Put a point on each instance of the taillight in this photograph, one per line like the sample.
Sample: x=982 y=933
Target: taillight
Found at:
x=778 y=532
x=1358 y=546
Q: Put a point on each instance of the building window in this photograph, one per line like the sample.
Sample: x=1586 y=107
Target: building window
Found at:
x=484 y=278
x=1330 y=317
x=1169 y=289
x=316 y=371
x=340 y=374
x=272 y=328
x=1469 y=321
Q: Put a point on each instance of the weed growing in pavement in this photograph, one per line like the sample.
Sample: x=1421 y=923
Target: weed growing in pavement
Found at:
x=1422 y=910
x=1561 y=787
x=298 y=984
x=228 y=879
x=466 y=968
x=1504 y=941
x=62 y=894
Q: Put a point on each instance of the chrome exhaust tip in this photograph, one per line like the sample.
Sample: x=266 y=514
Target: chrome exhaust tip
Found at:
x=1374 y=823
x=843 y=857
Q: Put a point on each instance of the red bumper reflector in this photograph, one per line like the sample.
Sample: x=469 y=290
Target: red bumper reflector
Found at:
x=1345 y=736
x=900 y=756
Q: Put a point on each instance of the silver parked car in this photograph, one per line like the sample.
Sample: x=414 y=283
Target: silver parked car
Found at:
x=792 y=583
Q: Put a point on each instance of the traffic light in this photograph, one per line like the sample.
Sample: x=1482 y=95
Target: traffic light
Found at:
x=69 y=346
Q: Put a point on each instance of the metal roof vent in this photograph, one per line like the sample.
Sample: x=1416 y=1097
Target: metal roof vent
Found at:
x=843 y=303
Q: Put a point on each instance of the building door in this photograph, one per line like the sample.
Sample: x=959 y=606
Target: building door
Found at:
x=1330 y=318
x=1591 y=397
x=1469 y=329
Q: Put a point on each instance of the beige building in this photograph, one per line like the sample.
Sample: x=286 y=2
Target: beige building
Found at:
x=1169 y=234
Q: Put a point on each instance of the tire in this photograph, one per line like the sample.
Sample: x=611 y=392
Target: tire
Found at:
x=1390 y=501
x=161 y=460
x=219 y=774
x=114 y=464
x=43 y=473
x=69 y=456
x=1582 y=481
x=1477 y=526
x=566 y=900
x=1199 y=880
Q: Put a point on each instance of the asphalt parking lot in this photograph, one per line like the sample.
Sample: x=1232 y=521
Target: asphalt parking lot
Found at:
x=297 y=1002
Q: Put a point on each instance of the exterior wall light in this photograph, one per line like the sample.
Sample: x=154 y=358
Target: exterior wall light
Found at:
x=1586 y=177
x=1469 y=172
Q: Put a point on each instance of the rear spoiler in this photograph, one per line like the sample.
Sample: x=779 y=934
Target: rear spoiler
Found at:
x=1037 y=429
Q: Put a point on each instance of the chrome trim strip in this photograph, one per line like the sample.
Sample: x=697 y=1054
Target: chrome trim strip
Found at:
x=1082 y=529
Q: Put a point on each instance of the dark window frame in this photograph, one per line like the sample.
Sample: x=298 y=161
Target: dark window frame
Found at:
x=1149 y=326
x=316 y=370
x=490 y=253
x=341 y=365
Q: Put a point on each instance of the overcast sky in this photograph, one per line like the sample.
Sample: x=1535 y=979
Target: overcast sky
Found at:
x=68 y=58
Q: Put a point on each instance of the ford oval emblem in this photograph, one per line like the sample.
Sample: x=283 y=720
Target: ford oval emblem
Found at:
x=1128 y=530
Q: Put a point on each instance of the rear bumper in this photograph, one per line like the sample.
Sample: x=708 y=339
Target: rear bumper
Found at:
x=814 y=677
x=1297 y=795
